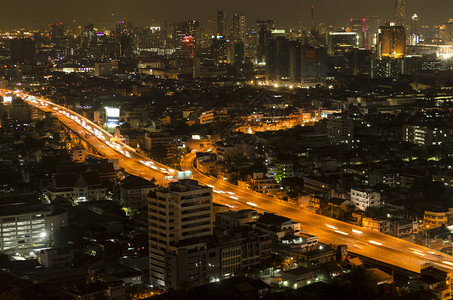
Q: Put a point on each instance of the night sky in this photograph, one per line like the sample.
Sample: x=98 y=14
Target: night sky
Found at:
x=37 y=13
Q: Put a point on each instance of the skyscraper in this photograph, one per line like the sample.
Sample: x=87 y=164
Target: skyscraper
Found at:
x=238 y=27
x=359 y=25
x=264 y=35
x=415 y=30
x=400 y=13
x=391 y=42
x=221 y=23
x=374 y=23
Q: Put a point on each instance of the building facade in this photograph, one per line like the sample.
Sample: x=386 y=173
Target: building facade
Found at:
x=23 y=228
x=364 y=198
x=180 y=225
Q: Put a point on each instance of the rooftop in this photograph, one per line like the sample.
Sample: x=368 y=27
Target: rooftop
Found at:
x=132 y=181
x=273 y=219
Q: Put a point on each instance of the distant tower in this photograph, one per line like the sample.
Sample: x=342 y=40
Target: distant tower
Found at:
x=400 y=13
x=415 y=30
x=238 y=27
x=221 y=23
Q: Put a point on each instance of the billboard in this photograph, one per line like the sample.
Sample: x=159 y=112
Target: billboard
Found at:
x=112 y=114
x=7 y=99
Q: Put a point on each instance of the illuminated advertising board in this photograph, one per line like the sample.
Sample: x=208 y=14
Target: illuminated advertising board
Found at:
x=112 y=115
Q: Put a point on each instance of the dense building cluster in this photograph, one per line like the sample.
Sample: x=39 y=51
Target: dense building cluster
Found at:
x=227 y=159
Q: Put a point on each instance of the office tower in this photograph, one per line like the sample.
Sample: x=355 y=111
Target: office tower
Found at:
x=264 y=35
x=57 y=31
x=391 y=42
x=313 y=70
x=400 y=13
x=238 y=27
x=186 y=36
x=373 y=24
x=359 y=25
x=211 y=29
x=88 y=36
x=221 y=23
x=341 y=42
x=235 y=53
x=415 y=30
x=279 y=61
x=218 y=50
x=180 y=226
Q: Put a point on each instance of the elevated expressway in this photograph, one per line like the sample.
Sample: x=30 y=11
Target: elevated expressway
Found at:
x=365 y=242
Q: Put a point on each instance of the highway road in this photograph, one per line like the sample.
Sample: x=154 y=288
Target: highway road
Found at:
x=365 y=242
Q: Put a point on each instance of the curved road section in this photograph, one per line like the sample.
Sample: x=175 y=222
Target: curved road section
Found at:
x=365 y=242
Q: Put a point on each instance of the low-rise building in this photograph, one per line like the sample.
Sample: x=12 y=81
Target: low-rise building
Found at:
x=280 y=170
x=292 y=246
x=403 y=227
x=436 y=218
x=377 y=224
x=434 y=279
x=77 y=187
x=264 y=185
x=427 y=135
x=56 y=258
x=27 y=227
x=275 y=225
x=244 y=249
x=364 y=198
x=134 y=191
x=321 y=255
x=232 y=219
x=300 y=277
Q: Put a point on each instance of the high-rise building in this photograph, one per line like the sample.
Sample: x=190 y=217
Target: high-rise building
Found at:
x=264 y=36
x=400 y=13
x=221 y=23
x=313 y=70
x=341 y=42
x=373 y=24
x=415 y=30
x=391 y=42
x=238 y=27
x=186 y=36
x=180 y=226
x=359 y=25
x=235 y=53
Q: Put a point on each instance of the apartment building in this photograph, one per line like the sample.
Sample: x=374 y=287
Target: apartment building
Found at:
x=179 y=229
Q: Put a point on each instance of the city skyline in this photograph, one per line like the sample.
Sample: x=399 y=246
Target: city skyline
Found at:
x=144 y=12
x=239 y=150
